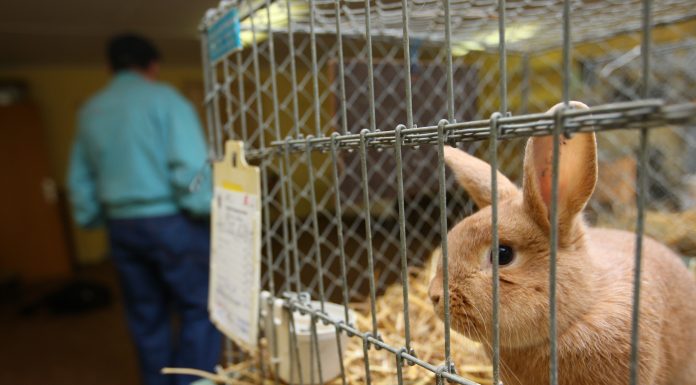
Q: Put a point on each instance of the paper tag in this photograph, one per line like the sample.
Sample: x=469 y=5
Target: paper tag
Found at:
x=235 y=265
x=223 y=36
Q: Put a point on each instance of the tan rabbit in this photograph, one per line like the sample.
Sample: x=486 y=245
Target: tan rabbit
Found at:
x=595 y=275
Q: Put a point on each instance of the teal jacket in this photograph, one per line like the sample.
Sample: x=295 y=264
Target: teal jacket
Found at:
x=139 y=147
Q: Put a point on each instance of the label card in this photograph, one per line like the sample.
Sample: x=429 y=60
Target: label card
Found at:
x=235 y=265
x=224 y=36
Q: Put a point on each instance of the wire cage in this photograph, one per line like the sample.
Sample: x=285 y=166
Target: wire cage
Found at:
x=346 y=106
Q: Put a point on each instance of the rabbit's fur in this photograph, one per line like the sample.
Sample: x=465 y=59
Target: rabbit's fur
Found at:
x=594 y=278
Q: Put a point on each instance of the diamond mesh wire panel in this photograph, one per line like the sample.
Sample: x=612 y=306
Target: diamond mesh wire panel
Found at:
x=332 y=218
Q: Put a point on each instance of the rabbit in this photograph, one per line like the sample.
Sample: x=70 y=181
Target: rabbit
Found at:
x=595 y=270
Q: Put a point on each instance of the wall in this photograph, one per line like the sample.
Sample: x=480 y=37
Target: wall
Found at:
x=58 y=91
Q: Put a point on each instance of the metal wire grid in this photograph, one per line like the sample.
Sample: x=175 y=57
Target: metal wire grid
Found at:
x=304 y=228
x=474 y=21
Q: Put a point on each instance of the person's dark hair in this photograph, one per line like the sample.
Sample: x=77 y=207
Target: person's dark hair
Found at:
x=131 y=51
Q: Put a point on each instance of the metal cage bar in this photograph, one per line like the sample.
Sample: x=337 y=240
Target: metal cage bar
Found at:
x=315 y=225
x=442 y=197
x=370 y=67
x=559 y=125
x=293 y=70
x=339 y=229
x=402 y=235
x=368 y=230
x=264 y=179
x=288 y=170
x=341 y=66
x=276 y=120
x=648 y=113
x=642 y=192
x=495 y=255
x=502 y=57
x=566 y=52
x=407 y=64
x=295 y=346
x=293 y=220
x=315 y=74
x=448 y=50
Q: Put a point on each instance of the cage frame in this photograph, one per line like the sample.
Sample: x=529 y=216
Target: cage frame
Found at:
x=641 y=115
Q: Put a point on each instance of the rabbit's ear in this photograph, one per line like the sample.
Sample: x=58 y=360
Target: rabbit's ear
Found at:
x=577 y=176
x=475 y=176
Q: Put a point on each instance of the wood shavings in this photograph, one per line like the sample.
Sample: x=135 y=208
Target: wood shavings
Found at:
x=427 y=338
x=675 y=229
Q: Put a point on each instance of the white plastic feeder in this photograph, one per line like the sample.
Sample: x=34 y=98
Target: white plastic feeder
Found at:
x=275 y=316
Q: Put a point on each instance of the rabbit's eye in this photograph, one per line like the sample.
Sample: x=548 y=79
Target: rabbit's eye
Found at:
x=505 y=255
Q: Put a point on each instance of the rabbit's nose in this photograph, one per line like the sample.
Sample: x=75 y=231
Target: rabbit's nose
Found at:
x=435 y=298
x=435 y=291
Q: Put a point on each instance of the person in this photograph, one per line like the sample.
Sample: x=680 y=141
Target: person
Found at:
x=138 y=148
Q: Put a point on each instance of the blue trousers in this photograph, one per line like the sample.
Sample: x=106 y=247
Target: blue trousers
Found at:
x=163 y=266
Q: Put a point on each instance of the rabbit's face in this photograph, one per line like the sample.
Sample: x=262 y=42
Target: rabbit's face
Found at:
x=523 y=262
x=523 y=229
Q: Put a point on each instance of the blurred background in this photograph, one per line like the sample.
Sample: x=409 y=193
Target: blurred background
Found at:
x=61 y=320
